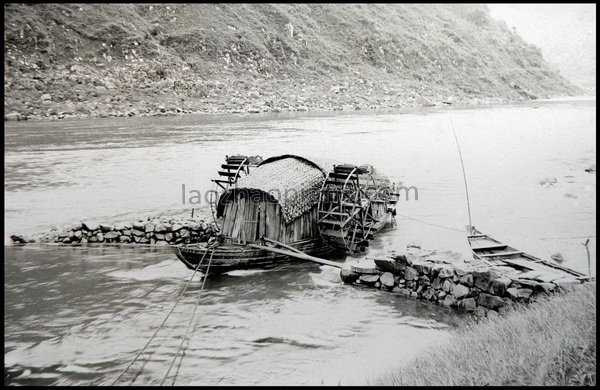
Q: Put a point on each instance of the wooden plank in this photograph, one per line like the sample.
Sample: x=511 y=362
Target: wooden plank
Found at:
x=546 y=276
x=333 y=233
x=346 y=168
x=314 y=228
x=238 y=219
x=236 y=159
x=561 y=268
x=501 y=254
x=280 y=223
x=477 y=236
x=350 y=204
x=487 y=247
x=233 y=218
x=231 y=166
x=262 y=218
x=256 y=217
x=332 y=222
x=230 y=210
x=482 y=240
x=273 y=222
x=228 y=174
x=250 y=225
x=338 y=176
x=333 y=213
x=540 y=266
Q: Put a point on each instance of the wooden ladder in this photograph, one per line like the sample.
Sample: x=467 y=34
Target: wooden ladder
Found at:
x=230 y=171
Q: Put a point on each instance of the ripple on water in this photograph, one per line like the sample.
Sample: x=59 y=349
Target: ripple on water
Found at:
x=80 y=315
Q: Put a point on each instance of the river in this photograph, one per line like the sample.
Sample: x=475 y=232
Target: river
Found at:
x=78 y=315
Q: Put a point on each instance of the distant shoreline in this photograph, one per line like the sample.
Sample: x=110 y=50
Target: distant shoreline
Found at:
x=212 y=110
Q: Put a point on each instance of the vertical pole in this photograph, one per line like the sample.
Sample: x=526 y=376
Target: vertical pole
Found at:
x=464 y=175
x=585 y=244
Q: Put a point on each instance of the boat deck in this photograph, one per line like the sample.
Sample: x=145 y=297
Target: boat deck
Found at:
x=518 y=264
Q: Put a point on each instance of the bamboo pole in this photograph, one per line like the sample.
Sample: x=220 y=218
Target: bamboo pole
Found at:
x=585 y=244
x=296 y=254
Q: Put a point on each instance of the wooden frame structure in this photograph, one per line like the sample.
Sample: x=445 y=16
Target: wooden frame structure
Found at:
x=279 y=201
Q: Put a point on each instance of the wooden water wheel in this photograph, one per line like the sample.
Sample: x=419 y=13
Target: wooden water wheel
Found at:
x=346 y=220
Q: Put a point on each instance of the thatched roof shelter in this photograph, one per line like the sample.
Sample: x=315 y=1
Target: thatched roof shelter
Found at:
x=292 y=181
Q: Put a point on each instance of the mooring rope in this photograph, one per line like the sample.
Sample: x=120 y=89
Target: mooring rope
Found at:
x=183 y=353
x=158 y=329
x=432 y=224
x=566 y=238
x=188 y=328
x=462 y=164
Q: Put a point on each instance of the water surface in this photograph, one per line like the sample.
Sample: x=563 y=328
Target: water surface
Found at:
x=79 y=315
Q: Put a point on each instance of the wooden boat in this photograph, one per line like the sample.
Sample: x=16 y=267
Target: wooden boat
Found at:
x=295 y=204
x=494 y=252
x=232 y=255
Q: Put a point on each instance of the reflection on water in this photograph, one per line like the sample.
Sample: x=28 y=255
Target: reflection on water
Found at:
x=79 y=315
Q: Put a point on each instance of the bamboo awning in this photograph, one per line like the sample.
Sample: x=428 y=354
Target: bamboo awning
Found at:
x=292 y=181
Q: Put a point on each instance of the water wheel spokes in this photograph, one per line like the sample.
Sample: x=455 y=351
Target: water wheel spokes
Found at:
x=343 y=209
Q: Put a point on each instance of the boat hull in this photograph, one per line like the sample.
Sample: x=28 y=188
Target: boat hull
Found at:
x=228 y=257
x=491 y=251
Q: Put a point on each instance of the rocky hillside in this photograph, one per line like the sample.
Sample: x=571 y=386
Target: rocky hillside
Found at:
x=65 y=60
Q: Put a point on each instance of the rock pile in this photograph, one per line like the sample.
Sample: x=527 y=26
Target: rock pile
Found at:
x=159 y=231
x=481 y=289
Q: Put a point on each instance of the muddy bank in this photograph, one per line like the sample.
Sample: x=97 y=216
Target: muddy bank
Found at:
x=100 y=102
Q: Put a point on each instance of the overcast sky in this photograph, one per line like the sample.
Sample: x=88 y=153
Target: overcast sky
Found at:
x=566 y=33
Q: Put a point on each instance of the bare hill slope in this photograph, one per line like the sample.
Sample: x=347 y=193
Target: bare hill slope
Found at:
x=137 y=59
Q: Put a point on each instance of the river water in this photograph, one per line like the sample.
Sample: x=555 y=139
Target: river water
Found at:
x=79 y=315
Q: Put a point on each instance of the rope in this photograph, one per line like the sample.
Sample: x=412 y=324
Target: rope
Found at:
x=565 y=238
x=432 y=224
x=459 y=230
x=188 y=327
x=158 y=329
x=179 y=365
x=183 y=353
x=464 y=174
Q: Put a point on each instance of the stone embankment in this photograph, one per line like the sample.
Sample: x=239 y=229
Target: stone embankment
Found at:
x=478 y=288
x=157 y=231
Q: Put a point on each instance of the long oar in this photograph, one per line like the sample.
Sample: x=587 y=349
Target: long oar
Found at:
x=293 y=252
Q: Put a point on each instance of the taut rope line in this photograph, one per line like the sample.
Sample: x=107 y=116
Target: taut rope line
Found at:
x=188 y=328
x=158 y=329
x=431 y=224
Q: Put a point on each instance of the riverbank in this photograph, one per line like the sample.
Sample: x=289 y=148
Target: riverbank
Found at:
x=550 y=343
x=274 y=98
